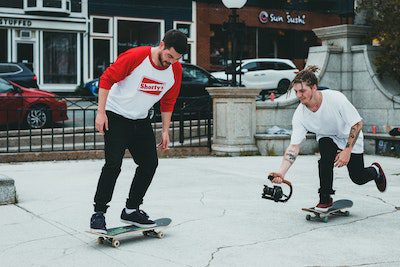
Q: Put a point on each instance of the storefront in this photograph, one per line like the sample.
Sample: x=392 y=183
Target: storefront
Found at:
x=116 y=28
x=268 y=33
x=48 y=36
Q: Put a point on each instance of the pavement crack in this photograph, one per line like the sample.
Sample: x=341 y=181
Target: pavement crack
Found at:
x=381 y=199
x=293 y=235
x=355 y=265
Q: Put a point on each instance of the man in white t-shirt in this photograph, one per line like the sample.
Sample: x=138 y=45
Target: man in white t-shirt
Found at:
x=337 y=125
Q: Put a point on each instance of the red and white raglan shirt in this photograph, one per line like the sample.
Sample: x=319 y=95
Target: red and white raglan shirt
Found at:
x=136 y=84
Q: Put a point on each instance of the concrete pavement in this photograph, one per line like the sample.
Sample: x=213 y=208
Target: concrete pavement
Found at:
x=219 y=217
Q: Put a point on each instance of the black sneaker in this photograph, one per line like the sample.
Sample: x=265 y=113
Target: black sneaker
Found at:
x=137 y=218
x=380 y=181
x=98 y=223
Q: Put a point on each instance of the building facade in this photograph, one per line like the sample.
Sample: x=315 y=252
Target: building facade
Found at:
x=277 y=29
x=69 y=42
x=49 y=36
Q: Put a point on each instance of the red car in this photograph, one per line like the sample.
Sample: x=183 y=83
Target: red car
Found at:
x=29 y=106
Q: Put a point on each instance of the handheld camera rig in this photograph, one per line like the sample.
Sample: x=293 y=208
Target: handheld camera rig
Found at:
x=276 y=193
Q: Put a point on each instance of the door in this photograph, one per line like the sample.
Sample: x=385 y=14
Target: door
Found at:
x=25 y=54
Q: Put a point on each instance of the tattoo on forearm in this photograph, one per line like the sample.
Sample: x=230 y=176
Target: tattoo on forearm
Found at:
x=354 y=132
x=290 y=155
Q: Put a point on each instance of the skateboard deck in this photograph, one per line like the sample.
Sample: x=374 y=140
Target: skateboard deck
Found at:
x=337 y=209
x=113 y=235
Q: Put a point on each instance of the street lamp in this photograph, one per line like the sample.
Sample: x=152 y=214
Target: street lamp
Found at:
x=233 y=27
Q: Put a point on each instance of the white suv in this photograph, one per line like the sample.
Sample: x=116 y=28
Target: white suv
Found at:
x=264 y=73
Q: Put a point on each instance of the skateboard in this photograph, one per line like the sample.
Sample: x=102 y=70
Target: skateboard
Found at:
x=114 y=234
x=337 y=209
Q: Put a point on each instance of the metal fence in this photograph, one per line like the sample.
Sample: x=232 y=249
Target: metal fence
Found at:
x=38 y=124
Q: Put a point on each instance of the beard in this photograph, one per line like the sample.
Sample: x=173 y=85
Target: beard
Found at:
x=163 y=62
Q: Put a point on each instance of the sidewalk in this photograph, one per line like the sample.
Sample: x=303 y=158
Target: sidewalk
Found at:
x=219 y=217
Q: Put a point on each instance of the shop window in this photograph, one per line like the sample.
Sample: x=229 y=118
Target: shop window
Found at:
x=60 y=57
x=101 y=25
x=137 y=33
x=3 y=45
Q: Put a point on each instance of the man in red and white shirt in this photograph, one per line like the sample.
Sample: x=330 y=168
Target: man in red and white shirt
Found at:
x=128 y=88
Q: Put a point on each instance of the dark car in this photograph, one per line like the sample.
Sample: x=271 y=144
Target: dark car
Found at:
x=18 y=73
x=29 y=106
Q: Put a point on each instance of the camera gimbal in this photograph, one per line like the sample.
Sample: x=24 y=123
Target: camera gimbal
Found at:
x=276 y=193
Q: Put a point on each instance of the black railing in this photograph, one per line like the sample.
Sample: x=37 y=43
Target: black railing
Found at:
x=39 y=124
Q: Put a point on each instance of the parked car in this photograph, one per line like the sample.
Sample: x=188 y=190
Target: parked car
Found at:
x=264 y=73
x=18 y=73
x=29 y=106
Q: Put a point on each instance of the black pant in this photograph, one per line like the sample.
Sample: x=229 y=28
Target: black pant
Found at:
x=137 y=136
x=358 y=174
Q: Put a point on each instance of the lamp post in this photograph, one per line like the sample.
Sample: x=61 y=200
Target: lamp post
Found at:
x=233 y=27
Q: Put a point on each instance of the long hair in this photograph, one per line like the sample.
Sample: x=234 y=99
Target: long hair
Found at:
x=307 y=76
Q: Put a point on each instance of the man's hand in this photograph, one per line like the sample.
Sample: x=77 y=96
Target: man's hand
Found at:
x=342 y=158
x=101 y=122
x=164 y=144
x=278 y=177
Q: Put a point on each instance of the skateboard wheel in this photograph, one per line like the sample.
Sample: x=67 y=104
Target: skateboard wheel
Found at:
x=100 y=240
x=160 y=235
x=325 y=219
x=346 y=213
x=308 y=217
x=115 y=243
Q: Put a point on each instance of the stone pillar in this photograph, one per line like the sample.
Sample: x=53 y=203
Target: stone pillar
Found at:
x=340 y=39
x=7 y=190
x=234 y=120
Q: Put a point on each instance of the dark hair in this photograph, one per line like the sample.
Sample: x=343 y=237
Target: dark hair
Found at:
x=307 y=75
x=177 y=40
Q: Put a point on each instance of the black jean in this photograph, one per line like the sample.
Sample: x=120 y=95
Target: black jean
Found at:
x=357 y=172
x=137 y=136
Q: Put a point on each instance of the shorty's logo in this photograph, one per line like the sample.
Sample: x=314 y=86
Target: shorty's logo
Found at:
x=150 y=86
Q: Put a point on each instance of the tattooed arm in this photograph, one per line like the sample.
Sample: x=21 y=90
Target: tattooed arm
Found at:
x=344 y=156
x=289 y=157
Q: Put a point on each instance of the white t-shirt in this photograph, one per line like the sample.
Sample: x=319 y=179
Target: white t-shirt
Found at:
x=333 y=119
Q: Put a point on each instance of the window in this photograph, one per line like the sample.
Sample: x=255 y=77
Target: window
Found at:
x=101 y=56
x=9 y=69
x=32 y=3
x=137 y=33
x=282 y=66
x=76 y=6
x=60 y=57
x=250 y=66
x=266 y=65
x=52 y=3
x=190 y=73
x=101 y=25
x=3 y=45
x=12 y=3
x=184 y=28
x=5 y=86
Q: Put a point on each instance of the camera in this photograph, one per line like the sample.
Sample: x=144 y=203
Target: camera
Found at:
x=276 y=193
